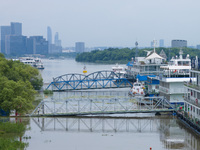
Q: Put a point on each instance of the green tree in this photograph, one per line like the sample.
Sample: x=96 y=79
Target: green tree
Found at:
x=18 y=83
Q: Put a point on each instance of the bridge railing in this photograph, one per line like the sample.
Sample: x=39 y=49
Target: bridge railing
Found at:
x=73 y=107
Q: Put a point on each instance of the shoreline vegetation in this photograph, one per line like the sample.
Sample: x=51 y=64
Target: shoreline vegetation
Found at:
x=18 y=85
x=124 y=55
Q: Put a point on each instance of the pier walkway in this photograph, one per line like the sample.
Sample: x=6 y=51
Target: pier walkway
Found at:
x=95 y=80
x=86 y=106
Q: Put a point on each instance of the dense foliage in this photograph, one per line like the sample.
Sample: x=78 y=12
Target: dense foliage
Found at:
x=115 y=55
x=9 y=133
x=17 y=85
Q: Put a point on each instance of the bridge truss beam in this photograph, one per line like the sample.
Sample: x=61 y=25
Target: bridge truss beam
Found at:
x=96 y=80
x=74 y=107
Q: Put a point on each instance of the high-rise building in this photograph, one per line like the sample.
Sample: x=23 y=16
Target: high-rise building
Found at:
x=179 y=43
x=16 y=28
x=4 y=31
x=161 y=43
x=15 y=44
x=57 y=42
x=198 y=46
x=79 y=47
x=37 y=45
x=49 y=35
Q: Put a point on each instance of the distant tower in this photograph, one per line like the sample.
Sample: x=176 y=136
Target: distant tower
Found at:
x=16 y=28
x=161 y=43
x=57 y=42
x=56 y=39
x=80 y=47
x=49 y=35
x=136 y=49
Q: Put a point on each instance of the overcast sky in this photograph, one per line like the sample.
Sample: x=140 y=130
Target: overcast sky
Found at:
x=107 y=22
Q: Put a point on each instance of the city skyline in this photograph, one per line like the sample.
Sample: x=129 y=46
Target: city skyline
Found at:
x=107 y=23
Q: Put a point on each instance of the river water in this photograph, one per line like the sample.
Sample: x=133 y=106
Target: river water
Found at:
x=116 y=132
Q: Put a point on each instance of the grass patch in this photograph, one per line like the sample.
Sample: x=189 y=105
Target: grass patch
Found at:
x=48 y=92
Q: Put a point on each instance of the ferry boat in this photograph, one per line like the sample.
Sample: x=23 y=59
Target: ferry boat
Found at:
x=173 y=77
x=137 y=89
x=145 y=66
x=119 y=70
x=34 y=62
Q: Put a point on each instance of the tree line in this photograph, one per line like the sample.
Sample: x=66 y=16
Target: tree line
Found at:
x=124 y=55
x=18 y=85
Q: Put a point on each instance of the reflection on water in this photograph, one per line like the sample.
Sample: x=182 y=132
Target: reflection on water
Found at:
x=157 y=132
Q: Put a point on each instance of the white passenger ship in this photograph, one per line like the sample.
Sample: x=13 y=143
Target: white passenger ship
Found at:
x=34 y=62
x=173 y=77
x=145 y=66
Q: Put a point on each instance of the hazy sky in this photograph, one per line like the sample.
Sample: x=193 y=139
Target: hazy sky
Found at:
x=107 y=22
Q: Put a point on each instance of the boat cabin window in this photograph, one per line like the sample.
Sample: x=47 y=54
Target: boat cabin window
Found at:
x=183 y=63
x=186 y=63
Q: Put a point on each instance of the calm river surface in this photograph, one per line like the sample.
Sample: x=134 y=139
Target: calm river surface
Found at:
x=116 y=132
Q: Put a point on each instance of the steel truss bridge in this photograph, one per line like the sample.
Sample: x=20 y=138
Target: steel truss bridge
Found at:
x=95 y=80
x=86 y=106
x=102 y=124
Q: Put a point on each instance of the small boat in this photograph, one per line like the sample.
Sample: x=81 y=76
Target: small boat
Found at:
x=137 y=89
x=38 y=64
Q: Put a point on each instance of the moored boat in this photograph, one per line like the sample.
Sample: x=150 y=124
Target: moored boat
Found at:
x=137 y=89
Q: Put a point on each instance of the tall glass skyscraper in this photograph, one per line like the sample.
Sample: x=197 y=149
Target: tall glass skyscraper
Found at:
x=16 y=28
x=4 y=31
x=49 y=35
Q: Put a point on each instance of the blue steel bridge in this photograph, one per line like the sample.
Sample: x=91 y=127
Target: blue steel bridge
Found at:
x=95 y=80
